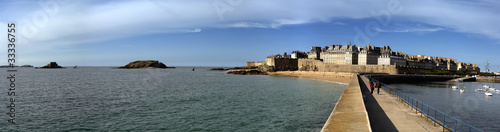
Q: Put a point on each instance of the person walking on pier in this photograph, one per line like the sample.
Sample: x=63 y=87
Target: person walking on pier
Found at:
x=378 y=87
x=371 y=87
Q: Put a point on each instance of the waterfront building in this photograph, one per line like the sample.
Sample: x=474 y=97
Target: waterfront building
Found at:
x=387 y=58
x=282 y=62
x=451 y=66
x=332 y=58
x=369 y=55
x=343 y=55
x=298 y=54
x=467 y=67
x=314 y=53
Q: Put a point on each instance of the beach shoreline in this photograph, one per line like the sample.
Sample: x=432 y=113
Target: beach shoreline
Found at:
x=334 y=77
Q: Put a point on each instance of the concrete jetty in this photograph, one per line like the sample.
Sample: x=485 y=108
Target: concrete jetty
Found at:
x=349 y=114
x=378 y=112
x=387 y=114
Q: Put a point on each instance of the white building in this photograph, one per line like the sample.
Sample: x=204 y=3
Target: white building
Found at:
x=388 y=59
x=343 y=55
x=369 y=55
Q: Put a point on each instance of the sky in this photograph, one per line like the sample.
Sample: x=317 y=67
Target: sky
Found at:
x=232 y=32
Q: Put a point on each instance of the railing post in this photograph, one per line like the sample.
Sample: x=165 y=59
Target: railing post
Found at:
x=412 y=103
x=444 y=121
x=428 y=113
x=416 y=106
x=422 y=110
x=455 y=125
x=435 y=119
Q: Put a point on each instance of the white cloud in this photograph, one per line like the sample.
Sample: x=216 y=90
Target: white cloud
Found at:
x=467 y=17
x=411 y=29
x=93 y=21
x=339 y=23
x=248 y=25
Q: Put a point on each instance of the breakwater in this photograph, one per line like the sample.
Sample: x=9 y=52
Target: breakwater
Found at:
x=431 y=114
x=349 y=113
x=358 y=110
x=488 y=80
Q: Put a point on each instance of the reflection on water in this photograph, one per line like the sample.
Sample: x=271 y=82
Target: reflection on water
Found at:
x=472 y=107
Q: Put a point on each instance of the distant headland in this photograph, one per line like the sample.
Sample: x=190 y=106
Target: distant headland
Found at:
x=145 y=64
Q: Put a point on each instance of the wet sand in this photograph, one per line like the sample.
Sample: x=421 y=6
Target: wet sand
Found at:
x=339 y=77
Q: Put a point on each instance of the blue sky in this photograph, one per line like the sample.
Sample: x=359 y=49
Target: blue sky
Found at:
x=231 y=32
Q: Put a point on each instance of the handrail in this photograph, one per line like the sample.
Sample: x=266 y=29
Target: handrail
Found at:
x=430 y=112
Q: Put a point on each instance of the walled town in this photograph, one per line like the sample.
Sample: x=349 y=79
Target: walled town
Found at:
x=358 y=59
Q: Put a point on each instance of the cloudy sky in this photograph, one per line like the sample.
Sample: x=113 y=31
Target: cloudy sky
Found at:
x=231 y=32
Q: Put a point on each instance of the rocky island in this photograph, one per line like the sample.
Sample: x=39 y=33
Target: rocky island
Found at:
x=145 y=64
x=245 y=70
x=52 y=65
x=218 y=69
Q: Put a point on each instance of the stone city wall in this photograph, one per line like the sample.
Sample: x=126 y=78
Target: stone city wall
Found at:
x=318 y=65
x=285 y=64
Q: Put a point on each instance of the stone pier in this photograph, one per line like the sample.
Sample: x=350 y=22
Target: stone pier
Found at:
x=358 y=110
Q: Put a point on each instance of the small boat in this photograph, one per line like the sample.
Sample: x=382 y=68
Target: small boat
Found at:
x=462 y=90
x=488 y=94
x=480 y=89
x=497 y=90
x=454 y=87
x=486 y=86
x=492 y=89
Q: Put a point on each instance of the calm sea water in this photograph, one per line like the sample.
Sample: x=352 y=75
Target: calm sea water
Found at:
x=472 y=107
x=165 y=100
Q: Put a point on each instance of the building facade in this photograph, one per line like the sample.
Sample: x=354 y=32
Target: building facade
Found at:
x=369 y=55
x=336 y=56
x=387 y=59
x=342 y=55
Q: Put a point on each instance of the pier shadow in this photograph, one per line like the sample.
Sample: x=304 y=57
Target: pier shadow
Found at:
x=379 y=121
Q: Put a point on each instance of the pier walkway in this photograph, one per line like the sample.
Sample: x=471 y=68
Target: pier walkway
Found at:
x=378 y=112
x=387 y=114
x=349 y=115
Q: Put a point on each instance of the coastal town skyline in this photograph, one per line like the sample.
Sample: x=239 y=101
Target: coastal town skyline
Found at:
x=230 y=33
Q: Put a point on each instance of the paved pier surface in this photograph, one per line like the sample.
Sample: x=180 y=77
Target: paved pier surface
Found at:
x=387 y=114
x=349 y=115
x=378 y=112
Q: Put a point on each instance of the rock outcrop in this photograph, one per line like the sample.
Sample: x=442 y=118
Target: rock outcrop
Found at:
x=247 y=72
x=218 y=69
x=145 y=64
x=52 y=65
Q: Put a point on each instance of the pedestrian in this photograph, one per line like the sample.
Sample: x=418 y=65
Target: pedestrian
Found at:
x=378 y=87
x=371 y=87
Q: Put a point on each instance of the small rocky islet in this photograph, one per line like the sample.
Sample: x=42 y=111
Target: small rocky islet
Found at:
x=242 y=70
x=52 y=65
x=247 y=72
x=145 y=64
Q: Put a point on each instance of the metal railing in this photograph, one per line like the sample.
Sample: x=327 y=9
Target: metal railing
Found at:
x=437 y=116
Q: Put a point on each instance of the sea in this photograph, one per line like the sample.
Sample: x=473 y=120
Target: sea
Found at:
x=110 y=99
x=472 y=107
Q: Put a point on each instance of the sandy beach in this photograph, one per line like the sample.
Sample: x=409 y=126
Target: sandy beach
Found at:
x=339 y=77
